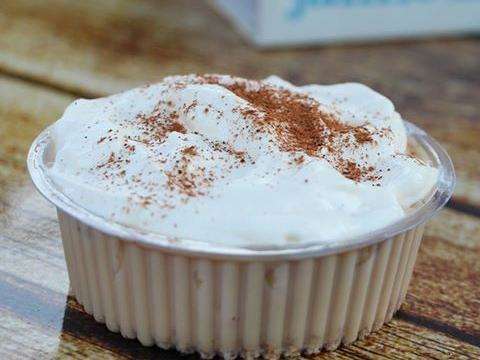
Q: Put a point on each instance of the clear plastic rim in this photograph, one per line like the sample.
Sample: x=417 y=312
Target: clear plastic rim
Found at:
x=444 y=189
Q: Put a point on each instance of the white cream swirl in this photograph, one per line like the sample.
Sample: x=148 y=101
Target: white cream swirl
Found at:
x=186 y=158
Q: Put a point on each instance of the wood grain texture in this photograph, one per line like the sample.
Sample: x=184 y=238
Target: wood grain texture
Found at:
x=90 y=48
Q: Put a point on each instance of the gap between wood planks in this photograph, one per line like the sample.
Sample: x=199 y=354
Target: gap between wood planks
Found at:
x=48 y=85
x=438 y=326
x=463 y=207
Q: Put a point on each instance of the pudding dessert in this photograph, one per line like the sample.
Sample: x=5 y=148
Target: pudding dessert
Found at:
x=238 y=217
x=241 y=163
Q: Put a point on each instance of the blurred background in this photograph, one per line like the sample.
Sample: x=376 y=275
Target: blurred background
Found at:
x=422 y=54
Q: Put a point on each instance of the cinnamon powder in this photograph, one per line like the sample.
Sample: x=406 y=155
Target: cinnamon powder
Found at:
x=300 y=124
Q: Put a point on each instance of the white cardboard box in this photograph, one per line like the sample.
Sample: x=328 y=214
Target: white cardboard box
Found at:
x=296 y=22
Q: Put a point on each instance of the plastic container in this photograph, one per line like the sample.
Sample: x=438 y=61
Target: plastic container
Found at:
x=237 y=301
x=267 y=23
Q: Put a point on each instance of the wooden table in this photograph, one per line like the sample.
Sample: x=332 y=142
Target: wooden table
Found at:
x=54 y=51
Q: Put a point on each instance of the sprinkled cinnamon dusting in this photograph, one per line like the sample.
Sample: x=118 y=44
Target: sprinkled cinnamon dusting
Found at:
x=299 y=123
x=190 y=150
x=160 y=123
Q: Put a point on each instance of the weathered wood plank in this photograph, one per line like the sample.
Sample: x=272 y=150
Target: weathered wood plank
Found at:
x=94 y=48
x=27 y=340
x=446 y=280
x=22 y=339
x=72 y=347
x=414 y=342
x=24 y=111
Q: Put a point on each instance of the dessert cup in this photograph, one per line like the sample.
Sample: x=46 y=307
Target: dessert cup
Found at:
x=202 y=297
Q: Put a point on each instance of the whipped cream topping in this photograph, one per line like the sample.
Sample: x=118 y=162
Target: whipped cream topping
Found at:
x=240 y=163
